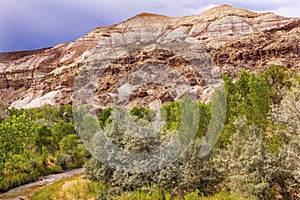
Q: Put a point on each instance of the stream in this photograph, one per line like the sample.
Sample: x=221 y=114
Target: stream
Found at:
x=24 y=191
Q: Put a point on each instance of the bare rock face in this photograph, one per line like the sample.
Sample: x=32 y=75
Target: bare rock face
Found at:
x=150 y=58
x=259 y=51
x=136 y=75
x=226 y=22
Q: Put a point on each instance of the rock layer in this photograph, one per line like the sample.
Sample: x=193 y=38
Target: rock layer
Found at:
x=233 y=39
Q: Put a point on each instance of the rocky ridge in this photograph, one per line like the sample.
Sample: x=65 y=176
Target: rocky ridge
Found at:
x=191 y=52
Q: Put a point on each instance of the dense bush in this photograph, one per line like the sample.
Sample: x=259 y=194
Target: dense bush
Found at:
x=256 y=156
x=36 y=142
x=173 y=178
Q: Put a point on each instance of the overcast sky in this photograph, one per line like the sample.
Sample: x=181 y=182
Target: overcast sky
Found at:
x=32 y=24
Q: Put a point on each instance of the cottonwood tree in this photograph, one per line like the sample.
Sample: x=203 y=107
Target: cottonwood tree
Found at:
x=244 y=162
x=189 y=171
x=287 y=113
x=287 y=116
x=255 y=172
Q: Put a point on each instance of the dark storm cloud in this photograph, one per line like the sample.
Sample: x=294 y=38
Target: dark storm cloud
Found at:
x=30 y=24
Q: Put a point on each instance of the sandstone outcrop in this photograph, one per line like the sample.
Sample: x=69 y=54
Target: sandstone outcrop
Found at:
x=150 y=57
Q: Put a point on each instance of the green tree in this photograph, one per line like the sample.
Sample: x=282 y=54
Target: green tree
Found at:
x=66 y=113
x=42 y=137
x=60 y=130
x=103 y=117
x=253 y=171
x=15 y=135
x=259 y=98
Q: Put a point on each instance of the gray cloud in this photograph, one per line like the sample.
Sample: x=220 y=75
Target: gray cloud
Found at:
x=30 y=24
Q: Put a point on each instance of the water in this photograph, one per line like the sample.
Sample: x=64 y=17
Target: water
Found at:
x=24 y=191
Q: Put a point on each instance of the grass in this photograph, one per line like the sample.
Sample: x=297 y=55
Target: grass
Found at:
x=76 y=188
x=71 y=188
x=159 y=195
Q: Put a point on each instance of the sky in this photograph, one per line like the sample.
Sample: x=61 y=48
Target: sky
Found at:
x=33 y=24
